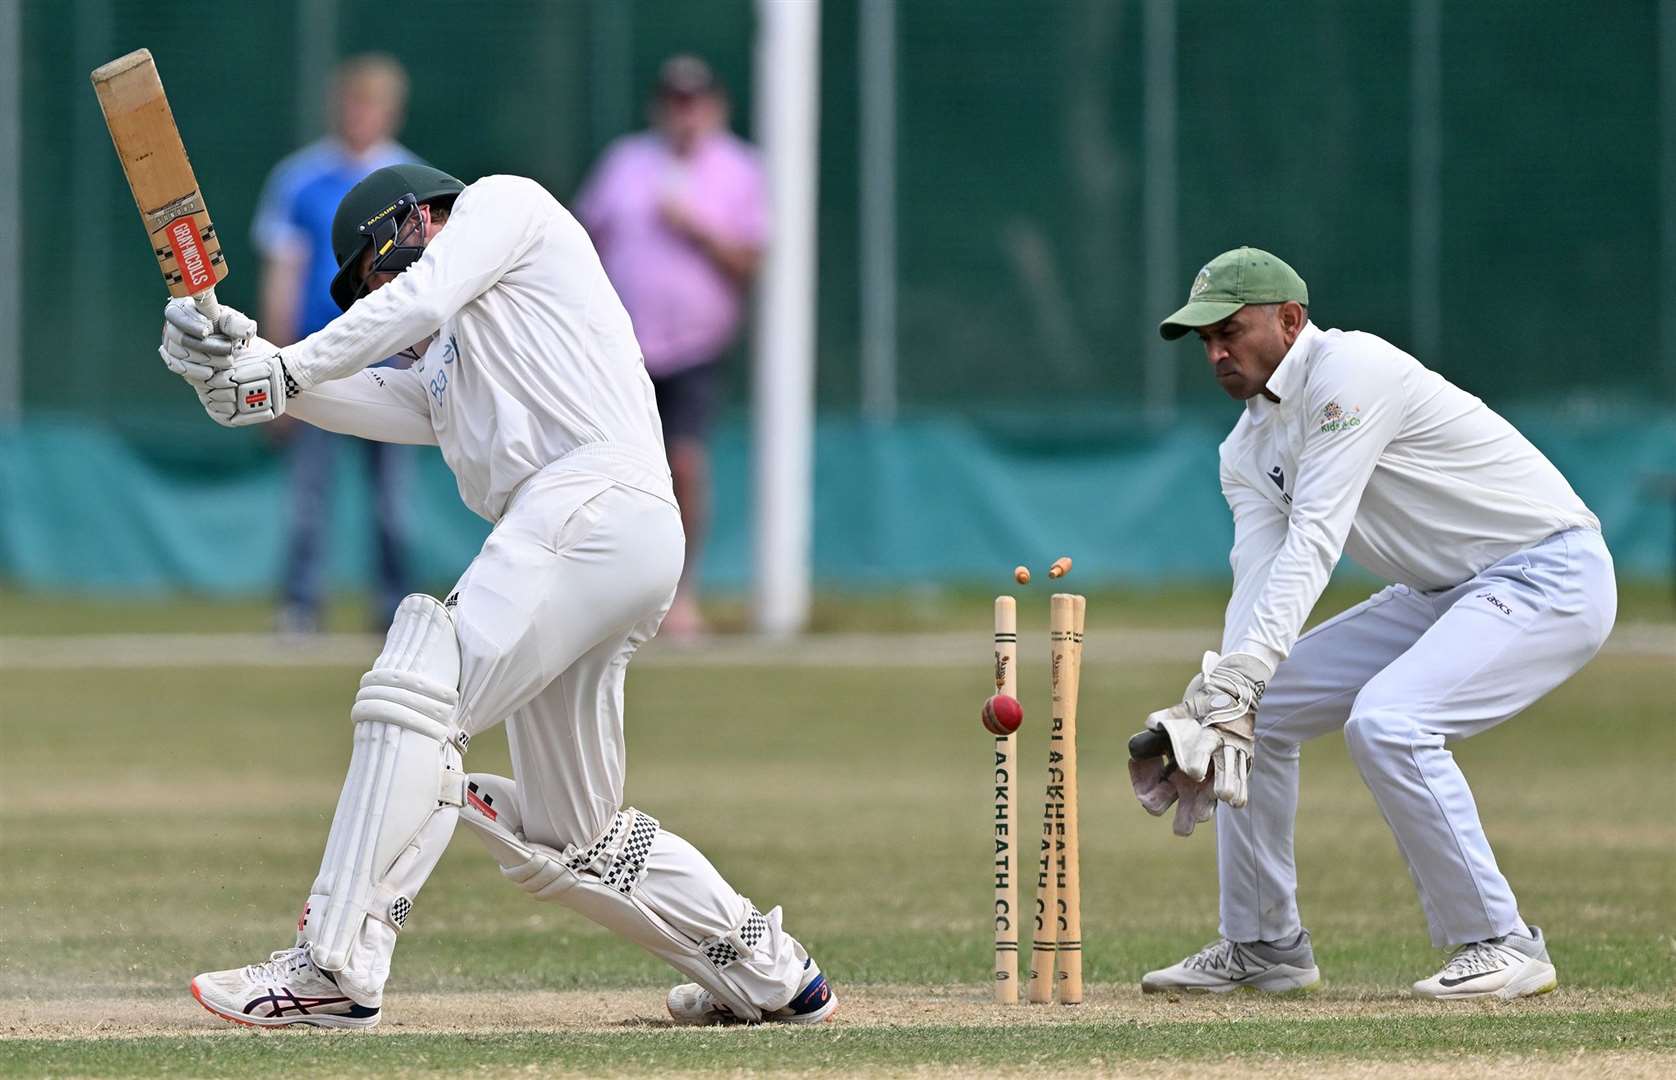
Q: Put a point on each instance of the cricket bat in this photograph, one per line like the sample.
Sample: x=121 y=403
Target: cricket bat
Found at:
x=160 y=176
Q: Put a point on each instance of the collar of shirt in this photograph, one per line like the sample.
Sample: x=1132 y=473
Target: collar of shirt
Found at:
x=1289 y=375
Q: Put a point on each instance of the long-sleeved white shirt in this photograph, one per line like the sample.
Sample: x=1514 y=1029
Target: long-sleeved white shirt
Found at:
x=534 y=359
x=1370 y=454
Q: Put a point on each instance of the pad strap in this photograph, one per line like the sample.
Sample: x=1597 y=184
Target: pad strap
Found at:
x=585 y=857
x=629 y=837
x=732 y=948
x=629 y=864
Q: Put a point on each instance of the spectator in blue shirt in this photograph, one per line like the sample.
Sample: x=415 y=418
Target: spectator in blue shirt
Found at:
x=293 y=233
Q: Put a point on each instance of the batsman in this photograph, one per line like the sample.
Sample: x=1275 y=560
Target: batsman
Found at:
x=1502 y=589
x=527 y=375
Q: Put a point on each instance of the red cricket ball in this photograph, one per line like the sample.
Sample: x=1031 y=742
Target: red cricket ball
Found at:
x=1002 y=714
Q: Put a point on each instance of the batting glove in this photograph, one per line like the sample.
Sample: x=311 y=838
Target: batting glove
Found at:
x=251 y=388
x=195 y=346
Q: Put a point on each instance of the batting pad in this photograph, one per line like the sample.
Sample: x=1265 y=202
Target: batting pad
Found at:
x=399 y=802
x=745 y=959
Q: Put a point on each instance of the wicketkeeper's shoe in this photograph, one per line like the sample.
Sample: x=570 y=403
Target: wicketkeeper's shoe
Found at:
x=814 y=1003
x=1225 y=965
x=1513 y=966
x=288 y=989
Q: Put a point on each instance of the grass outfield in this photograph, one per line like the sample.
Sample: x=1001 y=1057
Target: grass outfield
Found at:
x=154 y=823
x=930 y=608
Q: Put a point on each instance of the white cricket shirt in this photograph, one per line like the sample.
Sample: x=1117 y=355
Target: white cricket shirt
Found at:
x=534 y=361
x=1370 y=454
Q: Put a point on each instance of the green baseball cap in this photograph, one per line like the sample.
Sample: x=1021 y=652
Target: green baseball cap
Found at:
x=1245 y=275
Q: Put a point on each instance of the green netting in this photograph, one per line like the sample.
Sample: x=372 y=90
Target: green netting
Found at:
x=1022 y=270
x=939 y=501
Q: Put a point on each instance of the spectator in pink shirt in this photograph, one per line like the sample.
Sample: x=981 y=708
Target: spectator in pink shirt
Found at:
x=680 y=217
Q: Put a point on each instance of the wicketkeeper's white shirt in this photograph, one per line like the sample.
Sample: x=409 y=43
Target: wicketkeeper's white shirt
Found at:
x=534 y=359
x=1370 y=454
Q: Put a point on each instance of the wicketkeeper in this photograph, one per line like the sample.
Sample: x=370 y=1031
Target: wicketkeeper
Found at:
x=528 y=377
x=1504 y=589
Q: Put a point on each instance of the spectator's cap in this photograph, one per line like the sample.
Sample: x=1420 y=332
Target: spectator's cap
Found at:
x=1245 y=275
x=370 y=203
x=685 y=76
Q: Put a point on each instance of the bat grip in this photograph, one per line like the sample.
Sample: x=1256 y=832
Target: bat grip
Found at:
x=207 y=304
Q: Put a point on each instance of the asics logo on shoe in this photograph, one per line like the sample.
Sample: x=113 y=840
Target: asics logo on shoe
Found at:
x=813 y=996
x=284 y=1003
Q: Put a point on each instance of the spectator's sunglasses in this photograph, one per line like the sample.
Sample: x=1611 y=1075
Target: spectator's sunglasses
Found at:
x=386 y=232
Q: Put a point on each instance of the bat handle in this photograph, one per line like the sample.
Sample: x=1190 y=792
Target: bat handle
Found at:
x=207 y=304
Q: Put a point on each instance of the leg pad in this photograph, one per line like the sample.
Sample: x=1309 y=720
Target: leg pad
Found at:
x=399 y=802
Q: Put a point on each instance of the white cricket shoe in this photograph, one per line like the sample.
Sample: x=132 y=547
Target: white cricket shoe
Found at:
x=814 y=1003
x=1225 y=965
x=288 y=989
x=1508 y=967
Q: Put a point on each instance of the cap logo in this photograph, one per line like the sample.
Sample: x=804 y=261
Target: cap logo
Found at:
x=1200 y=284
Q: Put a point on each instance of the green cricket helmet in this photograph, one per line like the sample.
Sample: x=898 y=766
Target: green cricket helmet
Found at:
x=374 y=213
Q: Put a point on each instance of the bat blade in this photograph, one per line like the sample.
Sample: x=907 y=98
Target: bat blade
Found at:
x=159 y=174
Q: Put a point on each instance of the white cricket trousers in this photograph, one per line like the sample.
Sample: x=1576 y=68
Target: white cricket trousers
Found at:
x=574 y=578
x=1404 y=673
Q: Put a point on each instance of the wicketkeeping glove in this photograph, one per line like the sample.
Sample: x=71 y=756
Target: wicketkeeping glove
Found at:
x=1209 y=741
x=1159 y=784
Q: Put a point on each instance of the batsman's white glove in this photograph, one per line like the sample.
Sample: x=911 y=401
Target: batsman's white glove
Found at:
x=239 y=377
x=251 y=389
x=1210 y=737
x=194 y=347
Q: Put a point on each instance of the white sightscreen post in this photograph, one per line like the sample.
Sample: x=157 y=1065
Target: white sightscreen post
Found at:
x=1165 y=287
x=317 y=37
x=11 y=211
x=877 y=49
x=1425 y=210
x=787 y=96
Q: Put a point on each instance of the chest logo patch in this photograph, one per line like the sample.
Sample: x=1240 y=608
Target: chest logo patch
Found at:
x=439 y=382
x=1334 y=418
